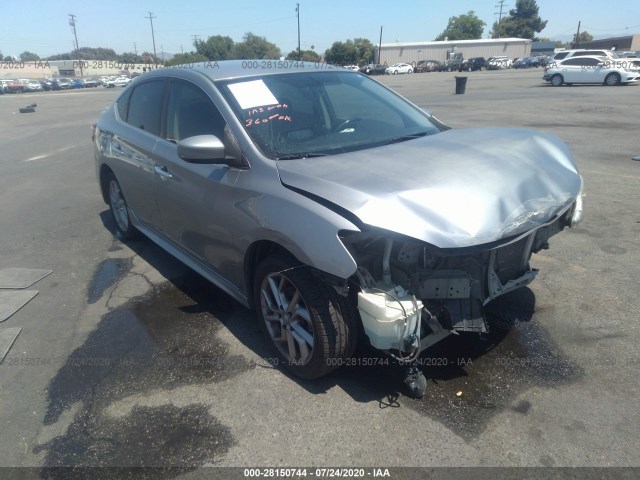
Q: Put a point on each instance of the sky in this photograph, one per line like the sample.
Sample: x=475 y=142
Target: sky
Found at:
x=42 y=26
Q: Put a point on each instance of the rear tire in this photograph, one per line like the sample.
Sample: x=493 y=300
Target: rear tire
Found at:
x=308 y=324
x=557 y=80
x=119 y=209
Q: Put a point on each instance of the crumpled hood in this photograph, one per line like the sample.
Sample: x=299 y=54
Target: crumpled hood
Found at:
x=458 y=188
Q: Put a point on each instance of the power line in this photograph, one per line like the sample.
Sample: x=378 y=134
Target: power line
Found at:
x=501 y=5
x=298 y=15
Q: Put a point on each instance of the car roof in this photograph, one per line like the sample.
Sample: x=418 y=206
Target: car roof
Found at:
x=597 y=57
x=229 y=69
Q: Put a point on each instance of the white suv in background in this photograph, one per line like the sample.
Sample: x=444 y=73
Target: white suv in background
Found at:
x=589 y=69
x=564 y=54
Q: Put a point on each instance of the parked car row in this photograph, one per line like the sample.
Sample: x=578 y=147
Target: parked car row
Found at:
x=31 y=85
x=457 y=63
x=531 y=62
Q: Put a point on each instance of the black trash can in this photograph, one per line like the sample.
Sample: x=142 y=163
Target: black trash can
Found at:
x=461 y=85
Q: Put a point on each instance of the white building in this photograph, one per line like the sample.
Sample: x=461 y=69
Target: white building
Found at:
x=411 y=52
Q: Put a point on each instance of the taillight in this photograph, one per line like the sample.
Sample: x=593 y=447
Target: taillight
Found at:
x=93 y=132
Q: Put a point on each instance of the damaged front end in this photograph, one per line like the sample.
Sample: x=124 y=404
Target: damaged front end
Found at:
x=412 y=294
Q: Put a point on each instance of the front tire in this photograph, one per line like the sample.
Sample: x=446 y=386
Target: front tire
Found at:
x=612 y=80
x=307 y=322
x=557 y=80
x=119 y=209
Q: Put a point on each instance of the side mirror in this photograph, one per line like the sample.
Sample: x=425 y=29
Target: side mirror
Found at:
x=202 y=149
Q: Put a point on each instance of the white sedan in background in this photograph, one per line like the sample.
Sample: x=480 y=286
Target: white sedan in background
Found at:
x=116 y=82
x=590 y=69
x=399 y=68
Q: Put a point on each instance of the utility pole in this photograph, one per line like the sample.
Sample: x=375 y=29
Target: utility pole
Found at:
x=195 y=39
x=72 y=22
x=135 y=48
x=151 y=17
x=501 y=5
x=298 y=14
x=380 y=46
x=577 y=40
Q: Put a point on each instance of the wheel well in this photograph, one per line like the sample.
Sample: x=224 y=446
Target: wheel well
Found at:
x=256 y=253
x=104 y=172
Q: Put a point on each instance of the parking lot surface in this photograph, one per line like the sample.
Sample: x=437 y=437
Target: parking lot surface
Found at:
x=127 y=358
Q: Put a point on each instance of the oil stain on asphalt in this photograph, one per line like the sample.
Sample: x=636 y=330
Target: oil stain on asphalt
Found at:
x=163 y=340
x=108 y=273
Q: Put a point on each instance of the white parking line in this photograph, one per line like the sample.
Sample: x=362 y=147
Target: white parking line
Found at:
x=45 y=155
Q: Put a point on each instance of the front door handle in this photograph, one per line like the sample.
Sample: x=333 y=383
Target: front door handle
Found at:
x=163 y=172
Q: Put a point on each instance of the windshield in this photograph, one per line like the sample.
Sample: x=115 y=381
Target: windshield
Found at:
x=300 y=115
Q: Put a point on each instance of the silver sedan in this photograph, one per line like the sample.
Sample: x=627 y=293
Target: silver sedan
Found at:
x=330 y=204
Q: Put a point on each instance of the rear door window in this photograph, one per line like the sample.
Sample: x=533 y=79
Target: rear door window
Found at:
x=145 y=106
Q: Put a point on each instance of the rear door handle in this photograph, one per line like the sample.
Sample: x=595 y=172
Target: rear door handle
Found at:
x=164 y=173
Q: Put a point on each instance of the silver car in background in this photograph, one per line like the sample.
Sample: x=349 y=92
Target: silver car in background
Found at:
x=330 y=204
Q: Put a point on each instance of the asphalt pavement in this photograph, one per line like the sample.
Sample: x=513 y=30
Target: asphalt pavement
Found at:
x=127 y=358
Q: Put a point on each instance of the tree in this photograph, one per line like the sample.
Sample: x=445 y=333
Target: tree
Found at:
x=358 y=51
x=147 y=57
x=27 y=56
x=463 y=27
x=522 y=22
x=583 y=37
x=254 y=46
x=215 y=48
x=87 y=53
x=305 y=56
x=342 y=53
x=366 y=51
x=130 y=57
x=186 y=59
